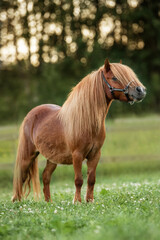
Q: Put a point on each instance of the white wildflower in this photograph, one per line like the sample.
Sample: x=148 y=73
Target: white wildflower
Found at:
x=55 y=211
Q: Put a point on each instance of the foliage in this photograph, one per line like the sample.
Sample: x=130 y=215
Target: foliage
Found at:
x=66 y=41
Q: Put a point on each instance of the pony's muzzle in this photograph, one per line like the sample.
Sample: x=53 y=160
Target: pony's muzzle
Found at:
x=140 y=92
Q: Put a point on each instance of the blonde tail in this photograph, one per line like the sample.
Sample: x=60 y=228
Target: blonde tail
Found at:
x=26 y=168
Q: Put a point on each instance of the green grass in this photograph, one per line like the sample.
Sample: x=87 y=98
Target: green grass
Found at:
x=126 y=139
x=127 y=191
x=125 y=207
x=132 y=138
x=8 y=143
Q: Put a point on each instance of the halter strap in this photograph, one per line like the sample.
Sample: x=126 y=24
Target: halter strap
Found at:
x=112 y=89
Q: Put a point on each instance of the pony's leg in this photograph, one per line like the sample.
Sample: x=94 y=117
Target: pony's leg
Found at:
x=77 y=164
x=26 y=164
x=91 y=164
x=47 y=173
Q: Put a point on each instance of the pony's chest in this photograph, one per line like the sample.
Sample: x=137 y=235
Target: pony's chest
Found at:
x=95 y=147
x=98 y=142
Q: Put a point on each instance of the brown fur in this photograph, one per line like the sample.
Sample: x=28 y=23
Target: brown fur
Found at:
x=70 y=133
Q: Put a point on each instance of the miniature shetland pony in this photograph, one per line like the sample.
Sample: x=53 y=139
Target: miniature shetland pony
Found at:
x=73 y=132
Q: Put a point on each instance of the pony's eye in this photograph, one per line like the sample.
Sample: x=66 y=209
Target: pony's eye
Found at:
x=114 y=79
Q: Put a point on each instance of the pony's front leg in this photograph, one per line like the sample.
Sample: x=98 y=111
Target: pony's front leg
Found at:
x=47 y=173
x=91 y=164
x=77 y=164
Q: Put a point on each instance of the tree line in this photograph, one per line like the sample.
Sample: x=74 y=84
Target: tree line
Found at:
x=46 y=47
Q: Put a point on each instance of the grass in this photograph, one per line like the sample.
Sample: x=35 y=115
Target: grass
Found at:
x=8 y=143
x=133 y=138
x=125 y=207
x=127 y=191
x=128 y=138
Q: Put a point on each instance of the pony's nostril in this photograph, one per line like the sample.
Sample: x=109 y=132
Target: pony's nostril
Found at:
x=139 y=89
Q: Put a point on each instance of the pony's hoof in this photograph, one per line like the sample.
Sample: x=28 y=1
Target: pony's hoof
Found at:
x=90 y=200
x=14 y=198
x=76 y=201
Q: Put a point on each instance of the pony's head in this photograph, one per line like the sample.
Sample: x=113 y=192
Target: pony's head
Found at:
x=121 y=83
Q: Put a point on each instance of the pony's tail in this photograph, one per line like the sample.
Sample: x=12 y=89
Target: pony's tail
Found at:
x=33 y=174
x=26 y=168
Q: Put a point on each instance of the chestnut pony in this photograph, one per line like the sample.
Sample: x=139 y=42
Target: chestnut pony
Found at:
x=73 y=132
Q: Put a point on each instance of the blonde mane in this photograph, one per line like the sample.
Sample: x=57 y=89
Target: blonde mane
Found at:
x=84 y=110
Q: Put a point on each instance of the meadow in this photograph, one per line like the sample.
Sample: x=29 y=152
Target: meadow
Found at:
x=127 y=191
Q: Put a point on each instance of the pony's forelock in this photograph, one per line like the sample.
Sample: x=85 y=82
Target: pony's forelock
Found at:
x=125 y=74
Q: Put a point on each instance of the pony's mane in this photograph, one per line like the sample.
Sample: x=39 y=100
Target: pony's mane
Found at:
x=84 y=110
x=124 y=74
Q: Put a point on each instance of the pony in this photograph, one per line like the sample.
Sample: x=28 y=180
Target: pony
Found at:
x=73 y=132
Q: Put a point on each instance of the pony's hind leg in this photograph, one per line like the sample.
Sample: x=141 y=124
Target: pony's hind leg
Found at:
x=27 y=164
x=47 y=173
x=91 y=164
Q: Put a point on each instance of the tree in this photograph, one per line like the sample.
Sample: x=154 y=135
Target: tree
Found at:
x=61 y=41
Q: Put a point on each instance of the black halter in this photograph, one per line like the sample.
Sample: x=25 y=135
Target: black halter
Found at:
x=112 y=89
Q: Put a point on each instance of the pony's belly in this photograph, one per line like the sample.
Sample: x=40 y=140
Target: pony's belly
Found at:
x=54 y=148
x=57 y=156
x=61 y=158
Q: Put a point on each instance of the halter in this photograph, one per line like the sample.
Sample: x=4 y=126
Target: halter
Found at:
x=112 y=89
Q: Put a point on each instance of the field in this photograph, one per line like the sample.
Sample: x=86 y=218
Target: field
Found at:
x=127 y=191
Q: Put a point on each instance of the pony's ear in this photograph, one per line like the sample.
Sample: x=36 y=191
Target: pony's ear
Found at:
x=107 y=65
x=120 y=61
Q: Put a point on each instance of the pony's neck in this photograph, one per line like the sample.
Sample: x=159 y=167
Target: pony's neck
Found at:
x=85 y=110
